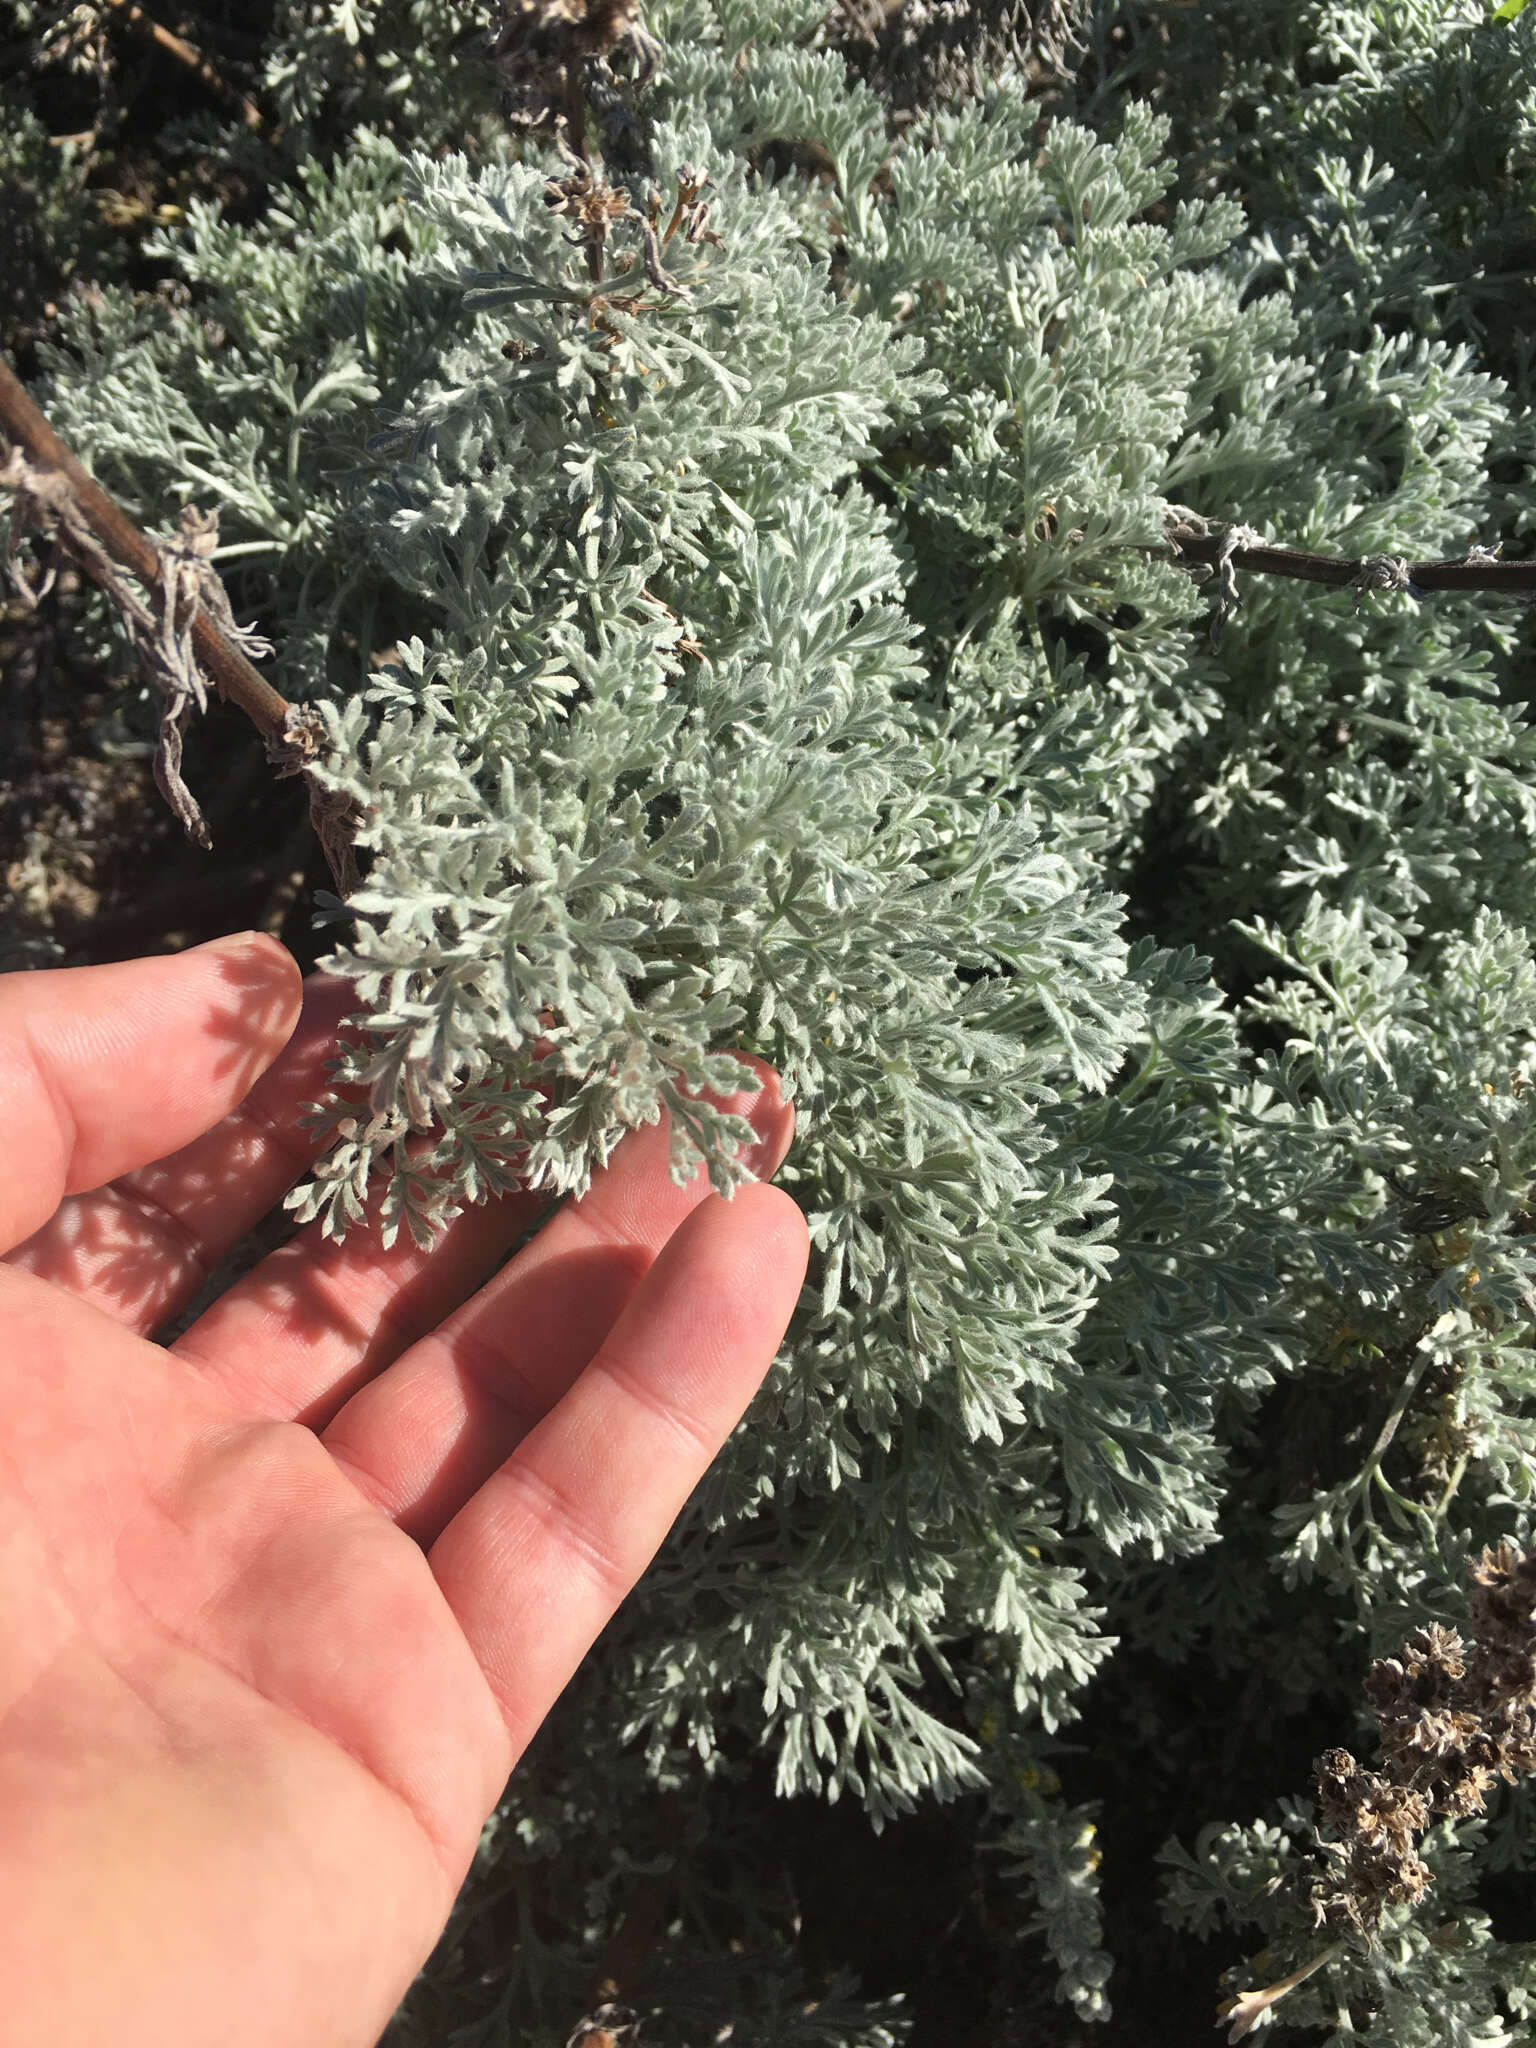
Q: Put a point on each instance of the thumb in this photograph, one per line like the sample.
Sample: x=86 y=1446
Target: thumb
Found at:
x=105 y=1068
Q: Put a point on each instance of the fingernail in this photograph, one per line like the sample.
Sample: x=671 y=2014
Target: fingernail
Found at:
x=231 y=942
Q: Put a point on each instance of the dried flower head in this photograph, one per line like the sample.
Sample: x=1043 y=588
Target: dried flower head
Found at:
x=1374 y=1863
x=1454 y=1721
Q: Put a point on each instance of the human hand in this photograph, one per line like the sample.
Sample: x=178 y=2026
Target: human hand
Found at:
x=285 y=1601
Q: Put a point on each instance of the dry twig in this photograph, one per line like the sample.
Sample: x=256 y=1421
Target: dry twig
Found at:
x=1194 y=541
x=188 y=54
x=178 y=618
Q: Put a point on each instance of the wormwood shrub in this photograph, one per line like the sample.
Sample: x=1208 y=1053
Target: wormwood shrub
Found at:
x=730 y=573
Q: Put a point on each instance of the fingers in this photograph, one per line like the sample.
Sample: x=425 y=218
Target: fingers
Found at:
x=536 y=1562
x=142 y=1246
x=105 y=1068
x=421 y=1437
x=315 y=1325
x=317 y=1319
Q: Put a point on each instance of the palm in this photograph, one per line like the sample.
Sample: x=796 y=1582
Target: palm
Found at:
x=291 y=1597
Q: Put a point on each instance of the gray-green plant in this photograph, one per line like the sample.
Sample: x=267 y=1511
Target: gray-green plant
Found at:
x=776 y=653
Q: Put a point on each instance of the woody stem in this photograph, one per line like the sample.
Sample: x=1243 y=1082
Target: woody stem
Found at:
x=236 y=680
x=1512 y=579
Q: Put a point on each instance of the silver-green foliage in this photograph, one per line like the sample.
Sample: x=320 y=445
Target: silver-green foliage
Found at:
x=780 y=665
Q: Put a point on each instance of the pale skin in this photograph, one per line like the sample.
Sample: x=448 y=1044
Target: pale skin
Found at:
x=283 y=1603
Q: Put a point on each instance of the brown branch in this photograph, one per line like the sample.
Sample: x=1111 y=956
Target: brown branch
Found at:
x=1476 y=570
x=189 y=640
x=1191 y=540
x=187 y=53
x=235 y=678
x=574 y=109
